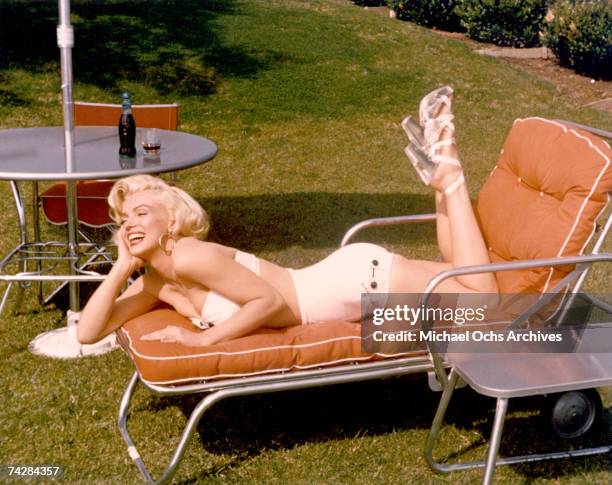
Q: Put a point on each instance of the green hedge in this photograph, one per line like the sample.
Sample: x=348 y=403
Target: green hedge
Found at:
x=370 y=3
x=430 y=13
x=580 y=35
x=503 y=22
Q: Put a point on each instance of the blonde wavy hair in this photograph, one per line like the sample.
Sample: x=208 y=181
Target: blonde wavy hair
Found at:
x=190 y=218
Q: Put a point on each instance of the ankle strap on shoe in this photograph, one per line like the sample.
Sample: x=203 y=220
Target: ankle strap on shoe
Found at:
x=446 y=159
x=455 y=185
x=433 y=148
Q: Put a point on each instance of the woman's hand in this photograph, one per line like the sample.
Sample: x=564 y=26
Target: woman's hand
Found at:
x=173 y=334
x=124 y=256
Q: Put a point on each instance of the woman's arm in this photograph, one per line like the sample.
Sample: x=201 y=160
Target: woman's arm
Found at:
x=209 y=266
x=105 y=312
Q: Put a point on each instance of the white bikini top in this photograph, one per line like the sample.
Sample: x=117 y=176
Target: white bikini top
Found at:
x=216 y=307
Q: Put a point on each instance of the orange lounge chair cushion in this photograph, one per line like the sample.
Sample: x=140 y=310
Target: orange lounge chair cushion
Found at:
x=542 y=199
x=92 y=208
x=265 y=351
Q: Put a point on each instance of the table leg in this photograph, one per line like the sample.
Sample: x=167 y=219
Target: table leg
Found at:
x=36 y=227
x=23 y=235
x=73 y=249
x=35 y=218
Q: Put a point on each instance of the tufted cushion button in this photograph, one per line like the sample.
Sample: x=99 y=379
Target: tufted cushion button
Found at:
x=375 y=262
x=520 y=180
x=541 y=194
x=374 y=285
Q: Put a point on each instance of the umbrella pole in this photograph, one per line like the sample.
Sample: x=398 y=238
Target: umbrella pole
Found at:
x=65 y=41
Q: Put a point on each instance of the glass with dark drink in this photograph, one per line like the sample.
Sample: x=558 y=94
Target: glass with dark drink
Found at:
x=151 y=142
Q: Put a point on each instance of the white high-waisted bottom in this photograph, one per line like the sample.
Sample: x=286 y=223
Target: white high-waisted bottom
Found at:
x=331 y=289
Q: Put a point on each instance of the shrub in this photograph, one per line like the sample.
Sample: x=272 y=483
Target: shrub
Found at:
x=580 y=35
x=369 y=3
x=430 y=13
x=503 y=22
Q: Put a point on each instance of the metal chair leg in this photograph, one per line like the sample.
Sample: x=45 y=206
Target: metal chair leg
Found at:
x=496 y=434
x=492 y=459
x=18 y=298
x=437 y=424
x=122 y=421
x=190 y=427
x=205 y=403
x=9 y=286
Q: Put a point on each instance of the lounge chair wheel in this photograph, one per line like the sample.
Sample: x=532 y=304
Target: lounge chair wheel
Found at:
x=572 y=414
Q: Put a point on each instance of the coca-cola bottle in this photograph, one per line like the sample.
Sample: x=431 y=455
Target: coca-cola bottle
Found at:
x=127 y=129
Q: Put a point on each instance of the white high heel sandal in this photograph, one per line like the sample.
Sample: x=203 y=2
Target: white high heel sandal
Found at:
x=425 y=137
x=416 y=150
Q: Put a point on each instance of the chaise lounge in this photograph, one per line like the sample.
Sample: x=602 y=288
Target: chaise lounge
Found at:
x=539 y=211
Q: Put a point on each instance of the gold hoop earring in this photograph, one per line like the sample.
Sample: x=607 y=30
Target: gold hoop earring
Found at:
x=163 y=242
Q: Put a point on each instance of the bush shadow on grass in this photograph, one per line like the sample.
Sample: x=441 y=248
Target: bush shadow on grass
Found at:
x=313 y=220
x=172 y=46
x=244 y=427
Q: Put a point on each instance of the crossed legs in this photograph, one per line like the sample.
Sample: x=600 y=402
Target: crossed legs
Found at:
x=459 y=238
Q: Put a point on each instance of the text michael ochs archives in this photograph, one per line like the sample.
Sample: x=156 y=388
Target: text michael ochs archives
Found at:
x=394 y=323
x=452 y=316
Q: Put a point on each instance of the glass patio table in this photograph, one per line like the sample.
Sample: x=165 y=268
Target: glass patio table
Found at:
x=37 y=154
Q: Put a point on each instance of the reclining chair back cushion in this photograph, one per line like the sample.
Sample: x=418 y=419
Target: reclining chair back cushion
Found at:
x=265 y=351
x=542 y=199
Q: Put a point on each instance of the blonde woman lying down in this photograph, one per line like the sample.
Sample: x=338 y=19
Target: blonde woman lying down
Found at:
x=228 y=293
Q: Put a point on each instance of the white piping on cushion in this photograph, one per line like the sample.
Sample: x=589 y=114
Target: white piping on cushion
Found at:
x=273 y=371
x=260 y=372
x=582 y=207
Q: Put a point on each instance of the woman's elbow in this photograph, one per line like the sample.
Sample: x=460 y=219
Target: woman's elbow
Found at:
x=85 y=337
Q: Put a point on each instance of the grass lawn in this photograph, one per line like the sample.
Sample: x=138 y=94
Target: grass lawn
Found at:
x=304 y=100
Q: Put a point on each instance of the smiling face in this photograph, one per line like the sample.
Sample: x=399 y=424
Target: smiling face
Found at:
x=145 y=218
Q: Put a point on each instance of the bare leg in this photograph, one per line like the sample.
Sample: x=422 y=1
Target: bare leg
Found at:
x=459 y=237
x=443 y=229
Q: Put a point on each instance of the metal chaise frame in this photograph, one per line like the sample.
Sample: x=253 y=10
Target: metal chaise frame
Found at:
x=453 y=380
x=430 y=362
x=222 y=389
